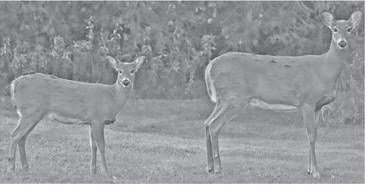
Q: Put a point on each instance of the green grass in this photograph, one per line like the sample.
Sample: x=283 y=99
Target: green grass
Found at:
x=163 y=141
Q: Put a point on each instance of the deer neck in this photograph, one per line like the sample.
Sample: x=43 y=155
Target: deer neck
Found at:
x=335 y=61
x=121 y=93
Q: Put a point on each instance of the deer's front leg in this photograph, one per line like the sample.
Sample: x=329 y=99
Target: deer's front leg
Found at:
x=309 y=118
x=98 y=133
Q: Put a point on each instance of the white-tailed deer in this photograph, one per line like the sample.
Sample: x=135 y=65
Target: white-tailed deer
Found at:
x=38 y=96
x=305 y=82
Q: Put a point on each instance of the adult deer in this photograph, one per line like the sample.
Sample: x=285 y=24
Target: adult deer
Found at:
x=305 y=82
x=38 y=96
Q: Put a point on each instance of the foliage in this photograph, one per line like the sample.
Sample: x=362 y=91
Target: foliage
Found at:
x=71 y=39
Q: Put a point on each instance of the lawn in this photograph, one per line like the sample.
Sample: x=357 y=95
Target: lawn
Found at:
x=163 y=141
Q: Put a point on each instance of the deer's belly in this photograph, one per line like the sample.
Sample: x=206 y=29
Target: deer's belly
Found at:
x=65 y=120
x=70 y=120
x=264 y=105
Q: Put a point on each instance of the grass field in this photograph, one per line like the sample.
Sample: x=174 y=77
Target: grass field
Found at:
x=163 y=141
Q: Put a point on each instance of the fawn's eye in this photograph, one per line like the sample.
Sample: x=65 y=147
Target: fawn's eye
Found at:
x=132 y=71
x=120 y=71
x=349 y=29
x=335 y=29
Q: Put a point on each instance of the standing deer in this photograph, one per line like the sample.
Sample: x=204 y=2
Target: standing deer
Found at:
x=305 y=82
x=38 y=96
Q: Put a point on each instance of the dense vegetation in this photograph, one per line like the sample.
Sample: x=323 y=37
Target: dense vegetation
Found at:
x=70 y=40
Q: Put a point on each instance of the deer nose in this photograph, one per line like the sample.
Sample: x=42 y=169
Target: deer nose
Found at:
x=342 y=44
x=126 y=82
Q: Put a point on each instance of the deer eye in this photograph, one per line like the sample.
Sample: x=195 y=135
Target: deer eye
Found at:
x=349 y=29
x=120 y=71
x=335 y=29
x=132 y=71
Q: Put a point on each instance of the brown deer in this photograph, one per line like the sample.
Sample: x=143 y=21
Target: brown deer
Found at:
x=305 y=82
x=39 y=96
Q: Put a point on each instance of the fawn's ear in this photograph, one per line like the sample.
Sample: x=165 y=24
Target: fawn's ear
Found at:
x=112 y=61
x=355 y=18
x=139 y=62
x=327 y=18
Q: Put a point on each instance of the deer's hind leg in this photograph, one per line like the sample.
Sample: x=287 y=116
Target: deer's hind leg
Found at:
x=26 y=123
x=217 y=109
x=228 y=111
x=21 y=146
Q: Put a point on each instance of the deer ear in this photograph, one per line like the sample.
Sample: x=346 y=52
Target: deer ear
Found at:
x=327 y=18
x=355 y=19
x=112 y=61
x=139 y=62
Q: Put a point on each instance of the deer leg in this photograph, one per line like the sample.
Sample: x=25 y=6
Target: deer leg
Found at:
x=320 y=103
x=98 y=133
x=309 y=115
x=25 y=124
x=22 y=154
x=310 y=153
x=93 y=146
x=209 y=151
x=207 y=135
x=317 y=115
x=208 y=125
x=226 y=114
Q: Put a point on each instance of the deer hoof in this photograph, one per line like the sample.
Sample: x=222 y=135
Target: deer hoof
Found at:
x=107 y=175
x=11 y=169
x=316 y=175
x=309 y=171
x=112 y=179
x=210 y=169
x=93 y=170
x=217 y=171
x=25 y=170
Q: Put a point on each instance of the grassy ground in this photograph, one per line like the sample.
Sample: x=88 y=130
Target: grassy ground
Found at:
x=162 y=141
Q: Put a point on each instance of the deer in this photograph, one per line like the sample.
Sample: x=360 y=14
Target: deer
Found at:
x=306 y=83
x=39 y=96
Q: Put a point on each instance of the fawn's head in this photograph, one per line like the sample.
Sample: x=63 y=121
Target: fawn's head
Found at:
x=341 y=29
x=126 y=71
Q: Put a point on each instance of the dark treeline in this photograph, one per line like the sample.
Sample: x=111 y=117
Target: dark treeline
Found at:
x=70 y=40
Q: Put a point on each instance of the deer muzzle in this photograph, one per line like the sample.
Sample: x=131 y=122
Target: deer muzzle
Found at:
x=342 y=44
x=126 y=82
